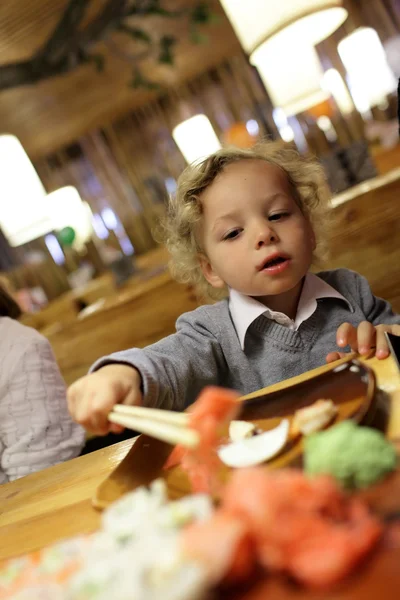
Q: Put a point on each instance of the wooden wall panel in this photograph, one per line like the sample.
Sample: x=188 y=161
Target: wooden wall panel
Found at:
x=131 y=162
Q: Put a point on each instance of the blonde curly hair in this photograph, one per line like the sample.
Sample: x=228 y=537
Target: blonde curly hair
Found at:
x=306 y=178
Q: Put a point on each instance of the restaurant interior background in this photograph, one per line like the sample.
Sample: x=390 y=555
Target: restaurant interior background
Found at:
x=109 y=108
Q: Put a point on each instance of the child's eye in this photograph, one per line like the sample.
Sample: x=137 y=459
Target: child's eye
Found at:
x=231 y=235
x=278 y=216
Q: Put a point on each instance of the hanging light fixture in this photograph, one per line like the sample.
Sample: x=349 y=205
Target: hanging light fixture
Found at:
x=293 y=79
x=392 y=51
x=279 y=37
x=23 y=214
x=280 y=120
x=66 y=208
x=196 y=138
x=370 y=77
x=333 y=83
x=302 y=21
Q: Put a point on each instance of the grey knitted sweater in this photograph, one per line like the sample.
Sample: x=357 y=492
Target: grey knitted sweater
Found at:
x=205 y=349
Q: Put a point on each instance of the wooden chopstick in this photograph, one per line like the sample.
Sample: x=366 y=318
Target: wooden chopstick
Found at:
x=156 y=414
x=172 y=433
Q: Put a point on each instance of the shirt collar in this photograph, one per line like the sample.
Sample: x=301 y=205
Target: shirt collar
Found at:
x=245 y=310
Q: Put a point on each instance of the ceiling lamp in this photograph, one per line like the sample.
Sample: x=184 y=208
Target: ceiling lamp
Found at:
x=392 y=50
x=196 y=138
x=23 y=214
x=292 y=78
x=66 y=209
x=279 y=37
x=370 y=77
x=333 y=82
x=300 y=21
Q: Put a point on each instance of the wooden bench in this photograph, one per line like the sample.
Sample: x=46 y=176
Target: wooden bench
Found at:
x=365 y=234
x=136 y=319
x=386 y=159
x=66 y=307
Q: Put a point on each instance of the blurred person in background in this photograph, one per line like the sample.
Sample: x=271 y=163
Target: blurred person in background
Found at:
x=36 y=430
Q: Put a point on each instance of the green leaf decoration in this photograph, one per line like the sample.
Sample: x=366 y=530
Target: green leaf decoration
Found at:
x=166 y=55
x=201 y=13
x=70 y=43
x=155 y=8
x=214 y=19
x=136 y=33
x=197 y=37
x=140 y=81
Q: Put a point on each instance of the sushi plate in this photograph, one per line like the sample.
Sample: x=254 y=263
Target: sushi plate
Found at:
x=350 y=384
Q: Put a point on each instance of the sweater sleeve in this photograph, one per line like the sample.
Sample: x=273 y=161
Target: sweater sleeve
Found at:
x=377 y=311
x=175 y=369
x=36 y=430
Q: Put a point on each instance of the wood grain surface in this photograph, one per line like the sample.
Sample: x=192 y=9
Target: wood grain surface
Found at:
x=56 y=503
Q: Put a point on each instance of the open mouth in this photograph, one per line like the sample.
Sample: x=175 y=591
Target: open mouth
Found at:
x=274 y=262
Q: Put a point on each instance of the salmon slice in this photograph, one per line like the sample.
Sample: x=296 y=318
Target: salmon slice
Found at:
x=209 y=415
x=306 y=527
x=231 y=560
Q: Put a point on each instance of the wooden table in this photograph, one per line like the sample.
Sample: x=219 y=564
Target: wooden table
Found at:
x=56 y=503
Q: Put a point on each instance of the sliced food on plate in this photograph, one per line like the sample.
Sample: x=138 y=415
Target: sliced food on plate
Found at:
x=313 y=418
x=149 y=548
x=214 y=413
x=257 y=449
x=241 y=430
x=308 y=527
x=215 y=410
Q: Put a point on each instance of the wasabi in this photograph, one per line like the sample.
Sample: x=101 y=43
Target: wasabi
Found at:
x=355 y=456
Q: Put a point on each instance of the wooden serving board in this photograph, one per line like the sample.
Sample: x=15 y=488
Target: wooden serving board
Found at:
x=349 y=383
x=353 y=392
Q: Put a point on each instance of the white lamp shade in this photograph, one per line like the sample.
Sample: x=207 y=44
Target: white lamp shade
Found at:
x=392 y=50
x=304 y=21
x=23 y=215
x=66 y=209
x=370 y=77
x=333 y=83
x=196 y=138
x=292 y=78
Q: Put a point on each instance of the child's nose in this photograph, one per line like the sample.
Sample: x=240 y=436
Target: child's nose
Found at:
x=265 y=237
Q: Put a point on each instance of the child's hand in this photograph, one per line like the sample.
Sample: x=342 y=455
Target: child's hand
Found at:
x=92 y=397
x=366 y=339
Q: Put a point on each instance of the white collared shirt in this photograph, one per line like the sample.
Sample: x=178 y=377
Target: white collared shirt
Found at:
x=244 y=309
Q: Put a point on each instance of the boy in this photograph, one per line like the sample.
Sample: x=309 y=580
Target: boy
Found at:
x=242 y=226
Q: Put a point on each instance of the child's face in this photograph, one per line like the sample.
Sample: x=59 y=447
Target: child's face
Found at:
x=250 y=218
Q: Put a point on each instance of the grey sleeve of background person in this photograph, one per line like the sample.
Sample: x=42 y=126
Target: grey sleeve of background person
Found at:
x=377 y=311
x=175 y=369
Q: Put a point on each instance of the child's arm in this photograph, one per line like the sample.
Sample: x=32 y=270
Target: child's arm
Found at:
x=168 y=374
x=92 y=397
x=368 y=336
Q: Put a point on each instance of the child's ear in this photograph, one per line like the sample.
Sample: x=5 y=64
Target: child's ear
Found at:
x=208 y=271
